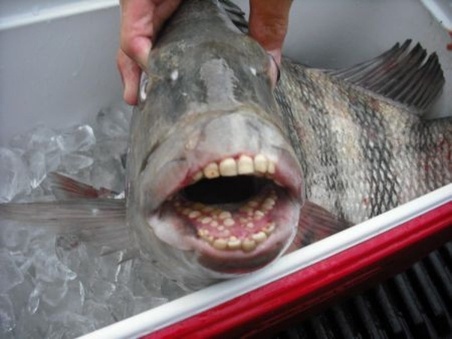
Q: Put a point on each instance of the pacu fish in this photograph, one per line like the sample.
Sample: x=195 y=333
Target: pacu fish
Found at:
x=223 y=172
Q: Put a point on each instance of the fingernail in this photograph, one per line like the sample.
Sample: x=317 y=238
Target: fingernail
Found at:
x=274 y=68
x=277 y=66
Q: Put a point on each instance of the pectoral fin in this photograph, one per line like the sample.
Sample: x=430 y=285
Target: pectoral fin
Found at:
x=64 y=188
x=84 y=211
x=98 y=221
x=315 y=224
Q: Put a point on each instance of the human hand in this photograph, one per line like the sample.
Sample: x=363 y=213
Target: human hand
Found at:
x=141 y=21
x=268 y=24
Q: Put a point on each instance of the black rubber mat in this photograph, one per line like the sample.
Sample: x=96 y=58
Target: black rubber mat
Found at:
x=414 y=304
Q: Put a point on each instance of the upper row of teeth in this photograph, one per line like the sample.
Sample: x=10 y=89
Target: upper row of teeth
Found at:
x=230 y=167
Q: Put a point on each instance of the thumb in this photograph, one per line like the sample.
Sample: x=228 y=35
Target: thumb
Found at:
x=130 y=75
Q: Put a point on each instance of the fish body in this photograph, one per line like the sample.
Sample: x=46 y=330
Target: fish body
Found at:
x=364 y=152
x=223 y=172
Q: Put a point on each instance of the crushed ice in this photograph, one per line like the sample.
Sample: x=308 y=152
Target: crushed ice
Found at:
x=57 y=286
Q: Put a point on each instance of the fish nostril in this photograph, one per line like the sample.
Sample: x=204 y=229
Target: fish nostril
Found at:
x=225 y=190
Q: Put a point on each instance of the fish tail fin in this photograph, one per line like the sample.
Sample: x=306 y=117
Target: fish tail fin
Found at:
x=316 y=223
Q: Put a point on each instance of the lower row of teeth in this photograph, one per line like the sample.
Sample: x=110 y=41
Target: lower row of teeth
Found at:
x=243 y=229
x=233 y=243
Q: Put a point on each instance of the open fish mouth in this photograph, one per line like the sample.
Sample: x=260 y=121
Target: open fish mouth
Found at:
x=233 y=202
x=238 y=214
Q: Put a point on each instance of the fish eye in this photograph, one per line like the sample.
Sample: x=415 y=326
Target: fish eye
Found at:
x=143 y=86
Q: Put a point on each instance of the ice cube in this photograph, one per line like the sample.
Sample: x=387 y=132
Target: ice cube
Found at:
x=10 y=274
x=74 y=162
x=109 y=174
x=58 y=279
x=46 y=264
x=148 y=276
x=52 y=293
x=14 y=237
x=7 y=318
x=20 y=293
x=36 y=162
x=110 y=148
x=141 y=304
x=31 y=325
x=171 y=290
x=98 y=312
x=102 y=289
x=121 y=302
x=74 y=254
x=79 y=138
x=69 y=325
x=114 y=121
x=39 y=138
x=34 y=299
x=110 y=269
x=13 y=175
x=68 y=296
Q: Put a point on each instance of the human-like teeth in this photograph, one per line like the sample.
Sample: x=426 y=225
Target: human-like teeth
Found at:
x=271 y=167
x=245 y=165
x=269 y=228
x=204 y=234
x=228 y=167
x=206 y=220
x=260 y=163
x=234 y=243
x=194 y=214
x=211 y=171
x=225 y=215
x=258 y=215
x=248 y=245
x=268 y=204
x=229 y=222
x=198 y=176
x=259 y=237
x=220 y=244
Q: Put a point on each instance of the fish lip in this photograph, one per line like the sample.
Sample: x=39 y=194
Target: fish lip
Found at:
x=190 y=151
x=180 y=234
x=164 y=181
x=237 y=263
x=287 y=174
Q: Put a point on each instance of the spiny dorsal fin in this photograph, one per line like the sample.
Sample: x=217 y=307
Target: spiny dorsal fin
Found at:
x=401 y=74
x=236 y=15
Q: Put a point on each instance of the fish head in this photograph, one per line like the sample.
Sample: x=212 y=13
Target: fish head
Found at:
x=220 y=187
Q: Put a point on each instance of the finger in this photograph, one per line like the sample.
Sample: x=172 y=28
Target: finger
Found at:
x=275 y=62
x=130 y=73
x=137 y=29
x=163 y=10
x=268 y=24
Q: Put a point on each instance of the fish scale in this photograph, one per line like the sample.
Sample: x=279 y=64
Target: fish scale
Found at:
x=384 y=167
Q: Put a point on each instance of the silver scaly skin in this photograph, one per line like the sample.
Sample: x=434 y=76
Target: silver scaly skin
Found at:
x=363 y=154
